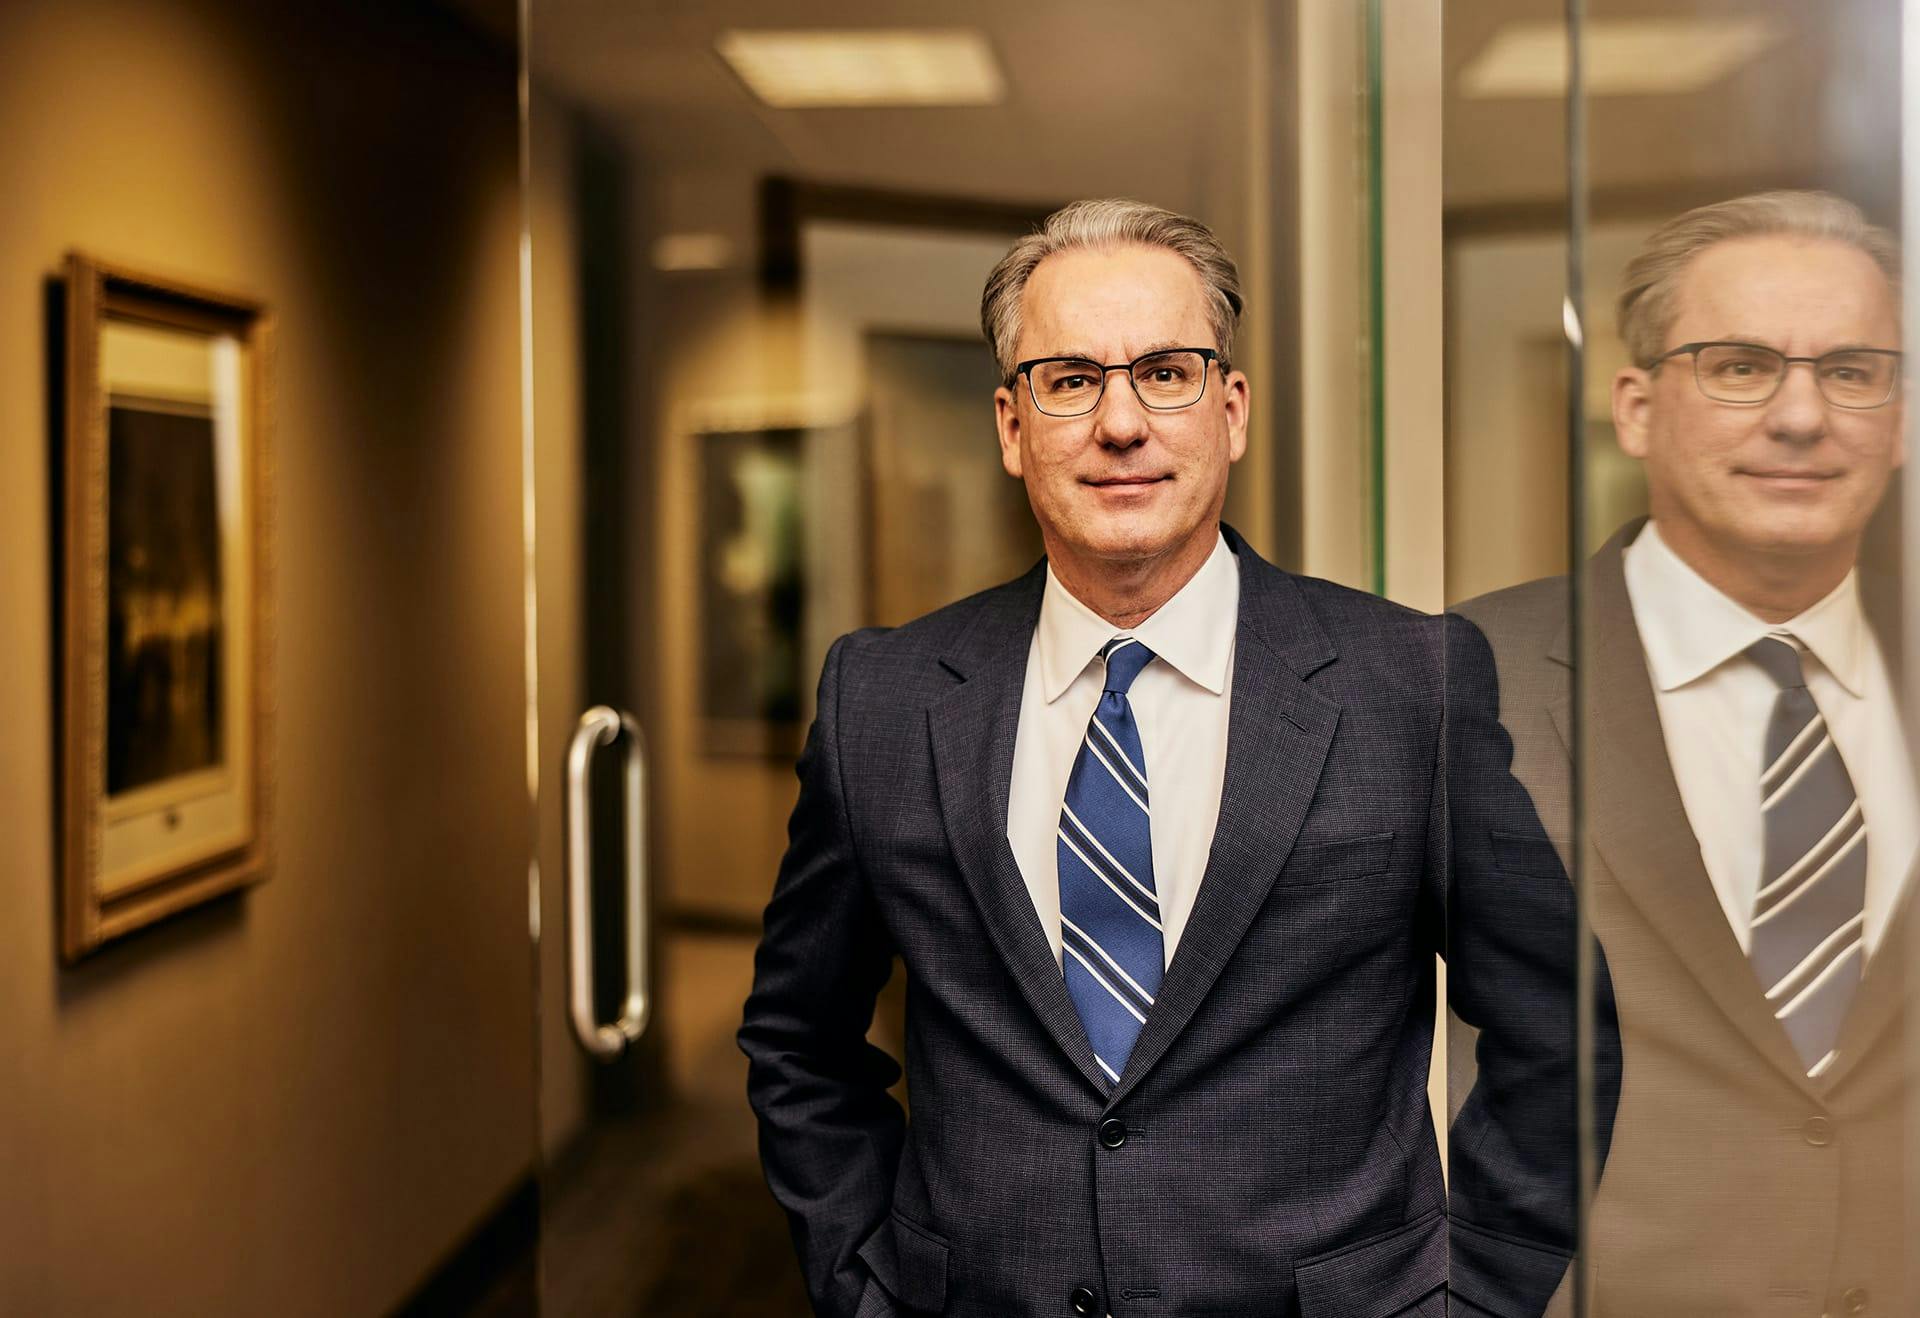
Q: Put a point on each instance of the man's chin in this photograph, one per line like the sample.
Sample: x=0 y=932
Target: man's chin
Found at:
x=1132 y=539
x=1799 y=533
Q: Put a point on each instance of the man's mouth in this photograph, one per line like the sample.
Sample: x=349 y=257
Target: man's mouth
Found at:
x=1122 y=482
x=1793 y=477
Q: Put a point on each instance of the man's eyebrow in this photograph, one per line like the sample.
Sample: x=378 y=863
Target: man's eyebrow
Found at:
x=1760 y=341
x=1081 y=355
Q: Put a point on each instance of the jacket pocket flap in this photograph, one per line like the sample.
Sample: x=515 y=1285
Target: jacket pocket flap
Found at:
x=1345 y=858
x=909 y=1262
x=1533 y=856
x=1499 y=1274
x=1378 y=1277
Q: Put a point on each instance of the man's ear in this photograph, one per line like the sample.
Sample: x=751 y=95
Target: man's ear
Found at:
x=1006 y=421
x=1632 y=409
x=1236 y=396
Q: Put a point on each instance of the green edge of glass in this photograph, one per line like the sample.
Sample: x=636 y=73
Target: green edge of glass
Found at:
x=1376 y=318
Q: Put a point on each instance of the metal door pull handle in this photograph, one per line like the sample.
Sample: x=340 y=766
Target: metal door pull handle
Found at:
x=598 y=727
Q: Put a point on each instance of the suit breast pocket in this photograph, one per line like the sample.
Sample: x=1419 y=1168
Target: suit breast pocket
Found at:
x=1521 y=854
x=1340 y=859
x=1340 y=902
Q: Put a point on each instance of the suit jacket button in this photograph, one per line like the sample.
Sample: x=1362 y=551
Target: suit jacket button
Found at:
x=1084 y=1302
x=1855 y=1300
x=1817 y=1131
x=1113 y=1133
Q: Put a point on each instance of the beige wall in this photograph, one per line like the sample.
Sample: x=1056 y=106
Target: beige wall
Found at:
x=1334 y=505
x=1506 y=455
x=294 y=1101
x=721 y=826
x=556 y=474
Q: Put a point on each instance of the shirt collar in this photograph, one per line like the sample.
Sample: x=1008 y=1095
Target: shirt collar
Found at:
x=1689 y=628
x=1192 y=632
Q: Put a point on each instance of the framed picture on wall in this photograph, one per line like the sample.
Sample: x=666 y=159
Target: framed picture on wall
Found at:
x=165 y=741
x=753 y=592
x=943 y=518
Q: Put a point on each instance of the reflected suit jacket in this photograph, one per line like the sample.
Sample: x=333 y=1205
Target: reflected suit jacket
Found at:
x=1735 y=1185
x=1268 y=1149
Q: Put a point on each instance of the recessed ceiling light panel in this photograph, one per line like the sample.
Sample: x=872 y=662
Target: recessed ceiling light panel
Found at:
x=865 y=67
x=692 y=251
x=1619 y=57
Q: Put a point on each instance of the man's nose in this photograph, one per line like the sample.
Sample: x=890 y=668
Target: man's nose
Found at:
x=1120 y=420
x=1798 y=412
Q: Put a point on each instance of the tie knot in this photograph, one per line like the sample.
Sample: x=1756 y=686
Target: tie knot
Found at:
x=1125 y=658
x=1780 y=659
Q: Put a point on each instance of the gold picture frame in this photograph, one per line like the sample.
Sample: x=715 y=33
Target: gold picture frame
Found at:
x=166 y=676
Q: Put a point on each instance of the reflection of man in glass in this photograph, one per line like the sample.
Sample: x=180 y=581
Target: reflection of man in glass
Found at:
x=1750 y=801
x=1159 y=835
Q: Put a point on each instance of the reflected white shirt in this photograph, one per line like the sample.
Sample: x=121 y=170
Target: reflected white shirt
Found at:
x=1714 y=704
x=1180 y=705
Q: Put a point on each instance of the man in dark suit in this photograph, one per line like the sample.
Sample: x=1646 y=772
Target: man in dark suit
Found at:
x=1160 y=834
x=1750 y=807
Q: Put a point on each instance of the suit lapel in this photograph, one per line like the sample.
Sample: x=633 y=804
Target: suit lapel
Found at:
x=1278 y=732
x=1883 y=994
x=973 y=729
x=1636 y=821
x=1887 y=984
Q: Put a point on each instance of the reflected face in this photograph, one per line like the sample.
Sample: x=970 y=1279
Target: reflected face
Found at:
x=1793 y=476
x=1123 y=483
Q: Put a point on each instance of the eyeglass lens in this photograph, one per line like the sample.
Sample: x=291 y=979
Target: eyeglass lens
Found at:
x=1748 y=373
x=1164 y=381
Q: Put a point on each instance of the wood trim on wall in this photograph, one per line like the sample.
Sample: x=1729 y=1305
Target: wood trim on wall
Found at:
x=788 y=204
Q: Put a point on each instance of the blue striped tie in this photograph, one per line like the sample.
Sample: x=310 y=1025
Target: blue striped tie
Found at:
x=1809 y=916
x=1109 y=910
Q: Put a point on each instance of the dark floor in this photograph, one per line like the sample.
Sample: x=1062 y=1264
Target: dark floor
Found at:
x=668 y=1216
x=665 y=1213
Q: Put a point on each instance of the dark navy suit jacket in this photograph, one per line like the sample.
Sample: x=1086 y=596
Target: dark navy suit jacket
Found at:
x=1268 y=1150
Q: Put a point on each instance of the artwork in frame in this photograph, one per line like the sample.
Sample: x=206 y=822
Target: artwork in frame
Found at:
x=165 y=746
x=943 y=519
x=753 y=590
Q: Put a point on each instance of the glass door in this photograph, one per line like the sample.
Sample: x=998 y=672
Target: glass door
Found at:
x=762 y=417
x=1743 y=588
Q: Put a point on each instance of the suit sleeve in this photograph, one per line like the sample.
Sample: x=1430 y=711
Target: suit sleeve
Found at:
x=1512 y=942
x=830 y=1135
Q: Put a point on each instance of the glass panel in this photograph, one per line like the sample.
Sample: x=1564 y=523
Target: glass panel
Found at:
x=1747 y=793
x=778 y=429
x=778 y=433
x=1513 y=1045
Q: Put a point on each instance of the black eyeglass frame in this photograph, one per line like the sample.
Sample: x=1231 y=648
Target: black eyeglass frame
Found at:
x=1786 y=363
x=1207 y=357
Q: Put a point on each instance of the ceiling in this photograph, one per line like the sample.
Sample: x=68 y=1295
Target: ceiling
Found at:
x=1103 y=98
x=1819 y=107
x=1163 y=102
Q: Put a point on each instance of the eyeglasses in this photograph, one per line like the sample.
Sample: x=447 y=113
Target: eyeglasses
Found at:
x=1729 y=372
x=1165 y=381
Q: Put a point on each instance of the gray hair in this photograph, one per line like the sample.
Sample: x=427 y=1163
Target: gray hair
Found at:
x=1646 y=308
x=1110 y=222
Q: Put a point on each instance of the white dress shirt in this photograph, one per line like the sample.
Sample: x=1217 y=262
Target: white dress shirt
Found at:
x=1714 y=704
x=1180 y=706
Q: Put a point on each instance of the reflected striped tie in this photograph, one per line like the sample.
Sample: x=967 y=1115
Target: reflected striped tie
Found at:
x=1109 y=909
x=1810 y=913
